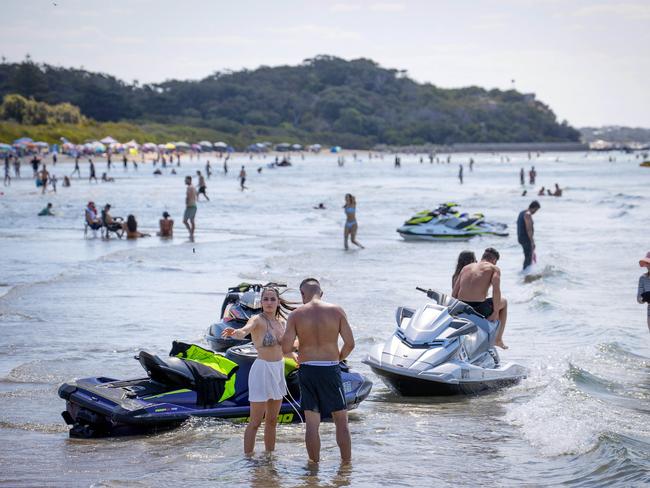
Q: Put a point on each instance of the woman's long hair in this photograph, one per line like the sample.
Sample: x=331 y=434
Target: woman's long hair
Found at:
x=284 y=306
x=131 y=224
x=350 y=201
x=464 y=258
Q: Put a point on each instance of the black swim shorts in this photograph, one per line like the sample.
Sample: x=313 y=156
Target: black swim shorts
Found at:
x=484 y=308
x=321 y=389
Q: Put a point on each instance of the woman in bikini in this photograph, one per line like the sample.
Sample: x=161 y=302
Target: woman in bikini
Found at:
x=266 y=383
x=350 y=229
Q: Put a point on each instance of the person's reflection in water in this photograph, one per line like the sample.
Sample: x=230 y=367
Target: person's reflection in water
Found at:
x=264 y=473
x=311 y=478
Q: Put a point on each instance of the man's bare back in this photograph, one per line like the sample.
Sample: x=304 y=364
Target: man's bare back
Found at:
x=474 y=281
x=318 y=325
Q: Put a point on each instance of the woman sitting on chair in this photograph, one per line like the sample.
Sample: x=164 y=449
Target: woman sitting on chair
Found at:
x=92 y=220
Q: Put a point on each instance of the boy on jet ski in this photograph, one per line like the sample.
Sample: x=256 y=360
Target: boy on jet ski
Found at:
x=472 y=287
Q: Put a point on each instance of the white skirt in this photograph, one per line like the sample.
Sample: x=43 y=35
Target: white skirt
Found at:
x=266 y=381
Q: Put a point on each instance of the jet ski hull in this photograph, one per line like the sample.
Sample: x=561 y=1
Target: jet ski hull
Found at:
x=102 y=407
x=413 y=386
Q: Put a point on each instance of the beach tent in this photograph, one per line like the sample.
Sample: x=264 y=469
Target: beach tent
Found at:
x=335 y=149
x=108 y=140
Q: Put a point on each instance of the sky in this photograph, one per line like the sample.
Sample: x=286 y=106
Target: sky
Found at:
x=587 y=60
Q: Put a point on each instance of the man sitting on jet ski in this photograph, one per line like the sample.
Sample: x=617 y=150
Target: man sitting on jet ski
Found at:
x=472 y=287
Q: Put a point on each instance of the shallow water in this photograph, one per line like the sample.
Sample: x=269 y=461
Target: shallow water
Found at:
x=74 y=307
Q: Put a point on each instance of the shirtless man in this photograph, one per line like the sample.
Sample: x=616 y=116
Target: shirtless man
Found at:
x=318 y=325
x=190 y=207
x=44 y=176
x=472 y=287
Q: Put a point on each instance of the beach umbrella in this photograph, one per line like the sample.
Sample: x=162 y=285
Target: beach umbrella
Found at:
x=296 y=147
x=131 y=143
x=108 y=140
x=335 y=149
x=182 y=144
x=23 y=141
x=169 y=146
x=220 y=146
x=196 y=147
x=206 y=144
x=5 y=147
x=283 y=146
x=41 y=144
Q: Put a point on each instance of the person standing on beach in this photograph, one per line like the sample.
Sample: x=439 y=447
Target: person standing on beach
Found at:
x=318 y=326
x=242 y=178
x=208 y=169
x=522 y=177
x=532 y=175
x=7 y=175
x=643 y=294
x=44 y=176
x=225 y=166
x=526 y=231
x=190 y=207
x=92 y=176
x=76 y=167
x=17 y=163
x=473 y=284
x=460 y=173
x=351 y=226
x=202 y=187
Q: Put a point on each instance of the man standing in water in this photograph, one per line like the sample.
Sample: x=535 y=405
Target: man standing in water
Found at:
x=526 y=231
x=473 y=284
x=190 y=207
x=242 y=178
x=460 y=173
x=318 y=326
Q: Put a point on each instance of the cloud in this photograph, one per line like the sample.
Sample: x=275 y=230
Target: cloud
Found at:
x=629 y=11
x=345 y=7
x=387 y=7
x=321 y=31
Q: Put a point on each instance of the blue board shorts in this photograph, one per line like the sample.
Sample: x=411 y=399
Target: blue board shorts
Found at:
x=321 y=389
x=190 y=213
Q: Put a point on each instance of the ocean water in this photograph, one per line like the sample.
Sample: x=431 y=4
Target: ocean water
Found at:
x=72 y=307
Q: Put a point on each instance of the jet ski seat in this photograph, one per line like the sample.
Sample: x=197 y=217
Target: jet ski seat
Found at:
x=173 y=372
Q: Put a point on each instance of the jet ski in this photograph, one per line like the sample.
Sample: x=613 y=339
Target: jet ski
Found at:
x=443 y=348
x=240 y=304
x=446 y=223
x=192 y=382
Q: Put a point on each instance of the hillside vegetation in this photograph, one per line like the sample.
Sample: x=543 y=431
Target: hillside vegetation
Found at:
x=325 y=99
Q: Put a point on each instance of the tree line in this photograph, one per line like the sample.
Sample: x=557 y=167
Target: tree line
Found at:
x=324 y=99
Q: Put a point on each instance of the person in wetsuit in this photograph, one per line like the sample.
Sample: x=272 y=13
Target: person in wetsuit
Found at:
x=526 y=231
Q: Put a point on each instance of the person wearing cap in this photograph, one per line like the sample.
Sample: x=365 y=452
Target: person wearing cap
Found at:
x=643 y=294
x=166 y=226
x=92 y=219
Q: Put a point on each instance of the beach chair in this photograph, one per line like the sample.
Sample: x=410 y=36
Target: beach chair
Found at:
x=90 y=224
x=116 y=226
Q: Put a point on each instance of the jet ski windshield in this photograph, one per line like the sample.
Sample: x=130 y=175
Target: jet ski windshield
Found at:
x=427 y=324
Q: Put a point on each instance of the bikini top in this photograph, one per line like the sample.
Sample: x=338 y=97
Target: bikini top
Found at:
x=269 y=338
x=350 y=210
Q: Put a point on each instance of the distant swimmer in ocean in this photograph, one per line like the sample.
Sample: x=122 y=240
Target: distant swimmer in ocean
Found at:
x=320 y=206
x=473 y=284
x=541 y=192
x=526 y=232
x=351 y=226
x=166 y=226
x=131 y=228
x=643 y=293
x=464 y=258
x=47 y=211
x=522 y=178
x=558 y=191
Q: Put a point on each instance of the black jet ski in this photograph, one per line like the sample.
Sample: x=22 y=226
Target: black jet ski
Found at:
x=192 y=382
x=240 y=304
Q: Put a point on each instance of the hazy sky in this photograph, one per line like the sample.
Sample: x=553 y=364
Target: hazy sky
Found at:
x=588 y=60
